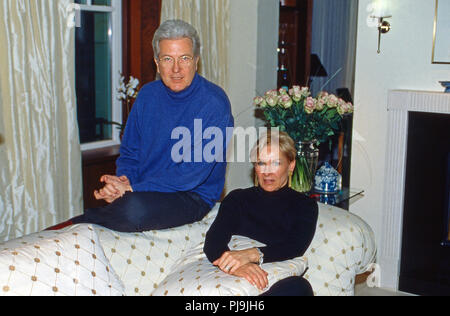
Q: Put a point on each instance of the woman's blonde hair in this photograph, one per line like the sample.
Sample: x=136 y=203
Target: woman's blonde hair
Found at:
x=274 y=137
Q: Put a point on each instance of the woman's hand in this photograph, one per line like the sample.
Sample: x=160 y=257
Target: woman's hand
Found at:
x=231 y=261
x=114 y=188
x=253 y=274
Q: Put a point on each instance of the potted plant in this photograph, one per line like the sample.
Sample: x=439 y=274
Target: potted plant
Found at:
x=127 y=92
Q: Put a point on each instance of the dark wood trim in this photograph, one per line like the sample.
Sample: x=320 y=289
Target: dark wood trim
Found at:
x=125 y=36
x=140 y=19
x=297 y=16
x=307 y=32
x=151 y=19
x=135 y=34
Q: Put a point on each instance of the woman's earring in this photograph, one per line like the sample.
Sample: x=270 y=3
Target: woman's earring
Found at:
x=256 y=180
x=290 y=179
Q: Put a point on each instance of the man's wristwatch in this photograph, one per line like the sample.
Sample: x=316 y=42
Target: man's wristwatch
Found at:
x=261 y=256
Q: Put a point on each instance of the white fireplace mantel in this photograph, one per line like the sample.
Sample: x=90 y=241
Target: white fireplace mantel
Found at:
x=399 y=104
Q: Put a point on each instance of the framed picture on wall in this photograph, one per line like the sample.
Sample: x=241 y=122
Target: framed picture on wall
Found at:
x=441 y=35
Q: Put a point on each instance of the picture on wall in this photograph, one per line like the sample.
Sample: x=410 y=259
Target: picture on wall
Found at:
x=441 y=36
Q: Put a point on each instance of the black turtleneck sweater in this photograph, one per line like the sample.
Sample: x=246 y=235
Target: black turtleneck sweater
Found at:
x=284 y=220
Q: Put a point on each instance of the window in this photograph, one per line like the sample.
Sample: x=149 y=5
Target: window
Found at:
x=98 y=62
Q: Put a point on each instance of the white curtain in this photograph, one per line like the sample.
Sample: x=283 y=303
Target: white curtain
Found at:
x=40 y=158
x=211 y=19
x=334 y=41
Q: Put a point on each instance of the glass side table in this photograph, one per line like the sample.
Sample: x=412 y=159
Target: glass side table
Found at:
x=340 y=199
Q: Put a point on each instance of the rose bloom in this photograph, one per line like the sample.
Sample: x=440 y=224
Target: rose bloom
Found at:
x=332 y=101
x=350 y=107
x=272 y=100
x=294 y=90
x=320 y=104
x=322 y=94
x=283 y=91
x=345 y=107
x=297 y=97
x=305 y=92
x=342 y=107
x=258 y=101
x=271 y=93
x=309 y=105
x=297 y=90
x=286 y=101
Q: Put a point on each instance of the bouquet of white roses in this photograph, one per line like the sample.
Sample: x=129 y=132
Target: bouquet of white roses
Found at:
x=300 y=115
x=306 y=120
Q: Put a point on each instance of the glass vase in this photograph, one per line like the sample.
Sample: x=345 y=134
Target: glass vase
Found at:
x=306 y=165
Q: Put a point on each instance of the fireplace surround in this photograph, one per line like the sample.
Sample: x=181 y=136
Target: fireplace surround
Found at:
x=425 y=257
x=400 y=105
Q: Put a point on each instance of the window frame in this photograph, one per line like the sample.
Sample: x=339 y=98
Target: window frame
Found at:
x=116 y=68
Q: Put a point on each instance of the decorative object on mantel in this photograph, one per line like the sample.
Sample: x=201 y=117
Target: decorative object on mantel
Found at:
x=328 y=180
x=446 y=85
x=308 y=121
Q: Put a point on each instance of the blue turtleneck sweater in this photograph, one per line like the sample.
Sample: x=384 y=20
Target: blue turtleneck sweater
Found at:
x=172 y=140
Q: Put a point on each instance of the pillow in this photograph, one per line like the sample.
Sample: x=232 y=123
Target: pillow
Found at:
x=69 y=262
x=196 y=276
x=143 y=260
x=343 y=247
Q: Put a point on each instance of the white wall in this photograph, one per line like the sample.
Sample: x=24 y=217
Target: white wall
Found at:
x=404 y=63
x=252 y=65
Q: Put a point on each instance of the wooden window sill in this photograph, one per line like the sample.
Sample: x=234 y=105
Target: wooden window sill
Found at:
x=95 y=156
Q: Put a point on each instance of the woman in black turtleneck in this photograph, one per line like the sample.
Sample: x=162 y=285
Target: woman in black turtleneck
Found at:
x=271 y=213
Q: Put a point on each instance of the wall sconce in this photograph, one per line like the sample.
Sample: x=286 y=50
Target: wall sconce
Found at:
x=378 y=12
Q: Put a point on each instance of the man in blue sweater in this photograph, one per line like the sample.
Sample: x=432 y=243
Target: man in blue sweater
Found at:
x=166 y=176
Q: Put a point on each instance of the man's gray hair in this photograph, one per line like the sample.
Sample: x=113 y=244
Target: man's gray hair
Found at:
x=176 y=29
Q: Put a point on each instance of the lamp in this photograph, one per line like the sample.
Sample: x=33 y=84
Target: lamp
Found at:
x=379 y=11
x=317 y=69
